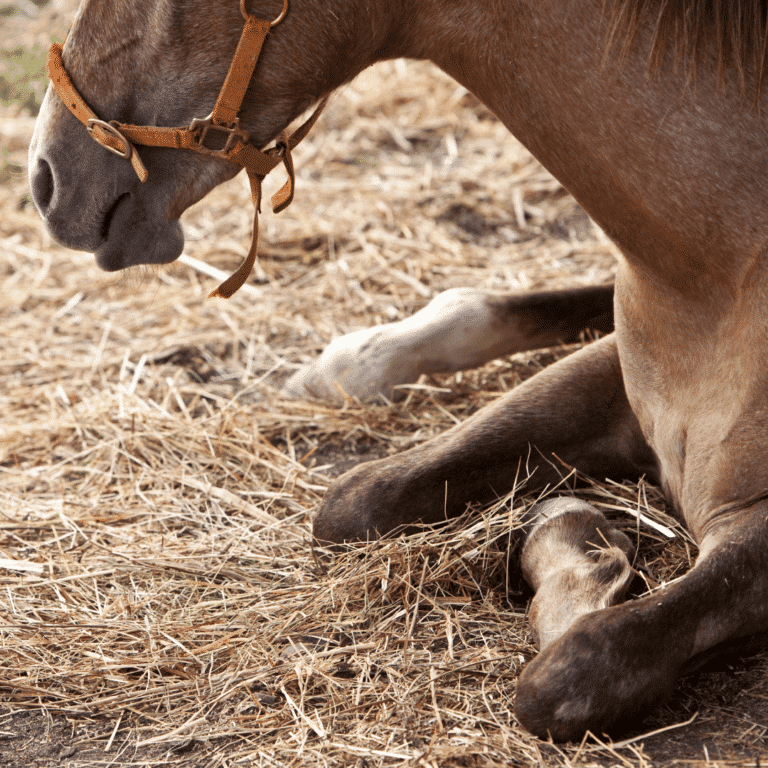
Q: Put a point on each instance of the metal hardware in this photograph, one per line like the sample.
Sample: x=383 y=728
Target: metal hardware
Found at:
x=205 y=124
x=127 y=149
x=273 y=23
x=282 y=14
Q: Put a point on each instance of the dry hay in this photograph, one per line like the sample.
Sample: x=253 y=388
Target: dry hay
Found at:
x=159 y=600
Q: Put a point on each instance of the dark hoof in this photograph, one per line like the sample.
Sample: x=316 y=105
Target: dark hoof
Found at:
x=603 y=672
x=370 y=501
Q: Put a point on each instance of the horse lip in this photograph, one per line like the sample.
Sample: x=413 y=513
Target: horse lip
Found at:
x=107 y=260
x=129 y=245
x=109 y=215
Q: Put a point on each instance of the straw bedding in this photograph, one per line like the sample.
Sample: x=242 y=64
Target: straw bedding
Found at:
x=160 y=603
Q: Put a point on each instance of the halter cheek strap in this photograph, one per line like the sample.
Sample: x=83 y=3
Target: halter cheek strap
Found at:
x=223 y=122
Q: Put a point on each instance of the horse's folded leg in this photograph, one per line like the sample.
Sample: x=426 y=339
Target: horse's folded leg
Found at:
x=574 y=413
x=575 y=561
x=612 y=665
x=460 y=328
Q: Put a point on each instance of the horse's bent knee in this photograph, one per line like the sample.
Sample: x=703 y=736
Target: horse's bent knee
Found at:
x=371 y=500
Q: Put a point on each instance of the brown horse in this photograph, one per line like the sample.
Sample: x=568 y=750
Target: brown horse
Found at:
x=651 y=113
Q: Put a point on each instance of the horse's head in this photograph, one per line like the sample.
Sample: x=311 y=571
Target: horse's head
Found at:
x=162 y=63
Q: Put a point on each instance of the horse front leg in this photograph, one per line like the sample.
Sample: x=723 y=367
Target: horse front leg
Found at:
x=576 y=411
x=575 y=561
x=460 y=328
x=614 y=664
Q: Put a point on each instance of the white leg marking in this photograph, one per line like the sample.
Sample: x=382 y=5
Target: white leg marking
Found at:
x=456 y=330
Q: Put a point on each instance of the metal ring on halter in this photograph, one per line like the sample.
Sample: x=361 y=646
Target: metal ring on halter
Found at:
x=282 y=14
x=273 y=23
x=127 y=149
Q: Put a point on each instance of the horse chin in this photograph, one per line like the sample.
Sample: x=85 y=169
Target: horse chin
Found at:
x=160 y=244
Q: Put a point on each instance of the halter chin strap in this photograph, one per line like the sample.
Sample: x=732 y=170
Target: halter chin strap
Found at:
x=223 y=123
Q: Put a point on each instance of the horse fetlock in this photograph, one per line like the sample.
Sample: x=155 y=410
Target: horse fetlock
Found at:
x=576 y=562
x=360 y=365
x=604 y=671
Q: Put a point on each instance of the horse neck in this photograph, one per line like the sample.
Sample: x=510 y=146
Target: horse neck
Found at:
x=627 y=146
x=641 y=153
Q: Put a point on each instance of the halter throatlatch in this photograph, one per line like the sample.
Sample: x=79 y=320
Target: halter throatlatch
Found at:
x=223 y=122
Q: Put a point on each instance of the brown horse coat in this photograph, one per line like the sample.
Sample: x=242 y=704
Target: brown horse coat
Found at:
x=652 y=114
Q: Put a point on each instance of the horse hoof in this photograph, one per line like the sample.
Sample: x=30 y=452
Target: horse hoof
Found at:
x=575 y=561
x=606 y=671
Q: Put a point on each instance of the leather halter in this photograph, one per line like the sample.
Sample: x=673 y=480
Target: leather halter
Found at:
x=223 y=121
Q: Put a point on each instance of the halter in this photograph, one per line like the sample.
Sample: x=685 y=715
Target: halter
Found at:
x=223 y=122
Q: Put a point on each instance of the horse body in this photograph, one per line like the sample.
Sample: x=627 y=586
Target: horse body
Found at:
x=675 y=174
x=672 y=165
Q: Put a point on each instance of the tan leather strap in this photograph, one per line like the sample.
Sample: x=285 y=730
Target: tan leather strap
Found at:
x=240 y=71
x=107 y=134
x=120 y=138
x=237 y=279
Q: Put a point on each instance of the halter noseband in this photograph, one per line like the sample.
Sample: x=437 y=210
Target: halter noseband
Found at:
x=121 y=137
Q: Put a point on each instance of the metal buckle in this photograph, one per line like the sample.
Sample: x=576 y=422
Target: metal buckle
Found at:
x=127 y=148
x=205 y=124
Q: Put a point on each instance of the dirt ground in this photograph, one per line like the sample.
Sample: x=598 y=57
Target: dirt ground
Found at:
x=159 y=600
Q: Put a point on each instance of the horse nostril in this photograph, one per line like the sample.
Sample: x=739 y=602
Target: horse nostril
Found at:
x=41 y=185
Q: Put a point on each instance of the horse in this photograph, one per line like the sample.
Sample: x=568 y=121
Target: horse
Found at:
x=652 y=114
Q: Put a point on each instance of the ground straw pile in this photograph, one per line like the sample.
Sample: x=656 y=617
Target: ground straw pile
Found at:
x=160 y=602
